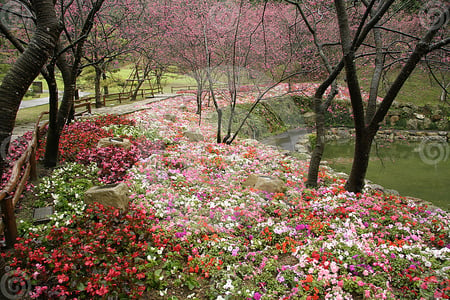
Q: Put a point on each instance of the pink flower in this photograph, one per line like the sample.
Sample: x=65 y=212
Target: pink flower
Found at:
x=62 y=278
x=334 y=267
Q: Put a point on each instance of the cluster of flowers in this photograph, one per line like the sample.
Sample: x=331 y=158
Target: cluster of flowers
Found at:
x=196 y=231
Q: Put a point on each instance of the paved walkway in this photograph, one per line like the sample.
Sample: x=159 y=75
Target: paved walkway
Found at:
x=118 y=109
x=43 y=100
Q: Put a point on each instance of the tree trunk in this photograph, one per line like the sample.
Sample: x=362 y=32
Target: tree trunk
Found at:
x=363 y=143
x=50 y=158
x=98 y=93
x=199 y=98
x=27 y=67
x=62 y=115
x=376 y=76
x=140 y=81
x=105 y=87
x=316 y=155
x=69 y=74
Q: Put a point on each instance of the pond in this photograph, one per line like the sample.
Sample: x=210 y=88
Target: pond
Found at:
x=420 y=170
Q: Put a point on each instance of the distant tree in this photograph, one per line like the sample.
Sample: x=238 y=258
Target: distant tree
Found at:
x=318 y=18
x=118 y=30
x=78 y=18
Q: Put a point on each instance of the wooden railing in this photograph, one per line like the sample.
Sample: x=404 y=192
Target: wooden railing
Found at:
x=193 y=88
x=13 y=189
x=87 y=102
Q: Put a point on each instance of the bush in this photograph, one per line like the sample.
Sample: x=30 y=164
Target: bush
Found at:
x=101 y=252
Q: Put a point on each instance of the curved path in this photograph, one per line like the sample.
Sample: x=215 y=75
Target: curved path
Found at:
x=118 y=109
x=43 y=101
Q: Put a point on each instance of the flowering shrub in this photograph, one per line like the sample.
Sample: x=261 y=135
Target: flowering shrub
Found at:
x=107 y=120
x=79 y=136
x=101 y=252
x=131 y=131
x=114 y=162
x=64 y=191
x=194 y=231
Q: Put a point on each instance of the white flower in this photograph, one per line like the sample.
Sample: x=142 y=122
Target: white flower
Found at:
x=228 y=285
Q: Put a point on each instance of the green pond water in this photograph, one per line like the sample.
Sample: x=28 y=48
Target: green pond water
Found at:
x=419 y=170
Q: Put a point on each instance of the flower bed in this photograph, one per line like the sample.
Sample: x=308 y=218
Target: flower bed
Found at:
x=195 y=232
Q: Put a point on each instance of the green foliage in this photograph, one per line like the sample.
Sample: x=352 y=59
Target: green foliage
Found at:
x=64 y=190
x=270 y=117
x=312 y=140
x=133 y=131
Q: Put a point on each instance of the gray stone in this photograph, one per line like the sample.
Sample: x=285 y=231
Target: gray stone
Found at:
x=265 y=183
x=427 y=123
x=419 y=116
x=115 y=195
x=42 y=214
x=170 y=117
x=407 y=111
x=194 y=136
x=116 y=142
x=412 y=124
x=375 y=187
x=301 y=149
x=309 y=117
x=442 y=125
x=394 y=119
x=392 y=192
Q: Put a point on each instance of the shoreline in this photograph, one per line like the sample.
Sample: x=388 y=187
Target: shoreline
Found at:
x=302 y=147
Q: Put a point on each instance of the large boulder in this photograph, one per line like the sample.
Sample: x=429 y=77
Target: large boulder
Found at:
x=309 y=117
x=412 y=124
x=170 y=117
x=115 y=195
x=116 y=142
x=194 y=136
x=268 y=184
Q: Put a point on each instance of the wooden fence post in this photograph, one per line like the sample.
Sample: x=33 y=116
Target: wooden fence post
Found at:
x=10 y=221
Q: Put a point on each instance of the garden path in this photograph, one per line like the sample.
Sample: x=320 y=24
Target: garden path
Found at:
x=119 y=110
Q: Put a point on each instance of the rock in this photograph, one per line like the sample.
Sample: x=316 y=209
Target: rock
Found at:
x=194 y=136
x=268 y=184
x=301 y=149
x=436 y=118
x=412 y=124
x=394 y=119
x=442 y=124
x=427 y=123
x=309 y=117
x=407 y=111
x=114 y=195
x=375 y=187
x=170 y=117
x=183 y=107
x=392 y=192
x=419 y=116
x=117 y=142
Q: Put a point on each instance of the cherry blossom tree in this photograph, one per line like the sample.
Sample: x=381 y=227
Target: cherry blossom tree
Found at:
x=118 y=30
x=27 y=67
x=431 y=40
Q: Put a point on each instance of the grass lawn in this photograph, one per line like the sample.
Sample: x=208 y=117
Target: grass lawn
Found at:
x=419 y=89
x=30 y=115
